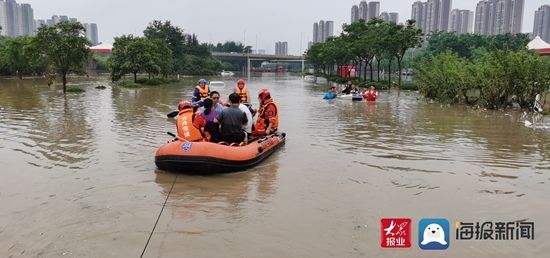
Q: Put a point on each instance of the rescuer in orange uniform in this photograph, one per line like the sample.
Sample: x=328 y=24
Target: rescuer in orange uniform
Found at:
x=184 y=124
x=268 y=115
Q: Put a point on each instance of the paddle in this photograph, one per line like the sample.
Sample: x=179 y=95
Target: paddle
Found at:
x=171 y=134
x=173 y=114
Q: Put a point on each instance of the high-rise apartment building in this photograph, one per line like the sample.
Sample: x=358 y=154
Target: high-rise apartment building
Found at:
x=281 y=48
x=495 y=17
x=91 y=33
x=373 y=10
x=433 y=15
x=354 y=13
x=322 y=30
x=26 y=20
x=3 y=18
x=12 y=18
x=315 y=32
x=329 y=30
x=389 y=17
x=542 y=23
x=363 y=10
x=16 y=19
x=461 y=21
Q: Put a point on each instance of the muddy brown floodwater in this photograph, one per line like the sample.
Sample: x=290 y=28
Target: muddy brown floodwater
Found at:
x=78 y=177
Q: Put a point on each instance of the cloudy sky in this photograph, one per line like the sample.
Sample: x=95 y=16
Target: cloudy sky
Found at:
x=257 y=22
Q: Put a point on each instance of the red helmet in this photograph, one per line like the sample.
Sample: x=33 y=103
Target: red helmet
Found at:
x=241 y=81
x=264 y=94
x=184 y=105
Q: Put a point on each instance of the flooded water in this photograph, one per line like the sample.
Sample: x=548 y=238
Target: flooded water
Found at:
x=78 y=177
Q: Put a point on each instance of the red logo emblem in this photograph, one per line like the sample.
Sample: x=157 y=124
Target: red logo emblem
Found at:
x=395 y=233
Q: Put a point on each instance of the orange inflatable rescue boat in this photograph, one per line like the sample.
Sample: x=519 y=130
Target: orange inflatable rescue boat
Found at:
x=207 y=157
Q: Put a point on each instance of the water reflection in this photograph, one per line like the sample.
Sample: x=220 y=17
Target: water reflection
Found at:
x=223 y=195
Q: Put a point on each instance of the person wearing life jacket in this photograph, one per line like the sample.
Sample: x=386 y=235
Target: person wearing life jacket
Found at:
x=184 y=124
x=242 y=91
x=371 y=94
x=268 y=115
x=201 y=91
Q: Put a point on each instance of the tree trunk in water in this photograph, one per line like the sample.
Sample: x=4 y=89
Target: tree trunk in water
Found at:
x=378 y=69
x=399 y=65
x=358 y=71
x=64 y=83
x=365 y=71
x=371 y=72
x=135 y=77
x=389 y=75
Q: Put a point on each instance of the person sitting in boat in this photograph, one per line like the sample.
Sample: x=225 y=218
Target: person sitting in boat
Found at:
x=370 y=94
x=347 y=89
x=268 y=115
x=242 y=91
x=232 y=122
x=248 y=111
x=204 y=121
x=331 y=94
x=218 y=104
x=184 y=124
x=353 y=90
x=201 y=91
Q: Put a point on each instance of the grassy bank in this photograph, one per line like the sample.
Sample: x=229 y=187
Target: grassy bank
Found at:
x=145 y=82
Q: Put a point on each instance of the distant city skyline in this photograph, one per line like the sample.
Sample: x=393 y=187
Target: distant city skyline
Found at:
x=224 y=21
x=18 y=19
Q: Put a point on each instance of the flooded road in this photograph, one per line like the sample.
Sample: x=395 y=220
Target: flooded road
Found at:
x=78 y=177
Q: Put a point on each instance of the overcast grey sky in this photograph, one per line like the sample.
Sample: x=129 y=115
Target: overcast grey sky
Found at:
x=264 y=22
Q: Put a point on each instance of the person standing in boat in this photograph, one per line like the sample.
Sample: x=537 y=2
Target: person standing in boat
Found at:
x=347 y=89
x=201 y=91
x=268 y=115
x=242 y=91
x=184 y=124
x=232 y=122
x=204 y=121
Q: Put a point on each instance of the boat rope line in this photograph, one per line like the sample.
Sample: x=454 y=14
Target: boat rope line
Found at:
x=158 y=218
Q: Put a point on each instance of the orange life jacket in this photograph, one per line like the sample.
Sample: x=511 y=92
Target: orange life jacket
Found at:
x=186 y=129
x=203 y=93
x=263 y=121
x=242 y=93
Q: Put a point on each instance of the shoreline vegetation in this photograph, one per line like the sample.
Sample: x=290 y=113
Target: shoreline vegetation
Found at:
x=493 y=72
x=164 y=51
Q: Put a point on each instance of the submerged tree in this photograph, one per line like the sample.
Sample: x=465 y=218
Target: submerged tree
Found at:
x=65 y=48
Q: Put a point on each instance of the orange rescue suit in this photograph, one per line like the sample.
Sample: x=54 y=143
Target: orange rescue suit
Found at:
x=186 y=130
x=268 y=114
x=243 y=93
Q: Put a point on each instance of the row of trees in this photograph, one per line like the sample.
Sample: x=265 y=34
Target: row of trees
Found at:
x=55 y=51
x=230 y=47
x=165 y=49
x=363 y=44
x=491 y=71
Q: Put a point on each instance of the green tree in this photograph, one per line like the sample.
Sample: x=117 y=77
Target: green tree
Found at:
x=406 y=37
x=175 y=40
x=15 y=55
x=446 y=78
x=65 y=48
